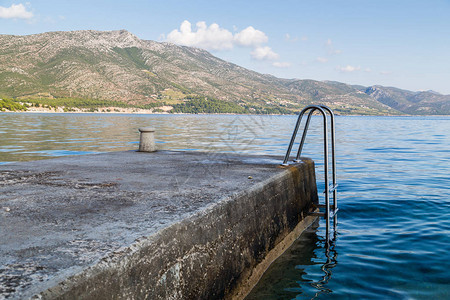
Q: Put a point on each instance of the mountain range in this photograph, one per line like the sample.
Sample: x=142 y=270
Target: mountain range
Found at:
x=118 y=66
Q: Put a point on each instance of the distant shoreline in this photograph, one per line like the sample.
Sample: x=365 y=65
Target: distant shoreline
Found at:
x=149 y=112
x=101 y=110
x=141 y=112
x=166 y=109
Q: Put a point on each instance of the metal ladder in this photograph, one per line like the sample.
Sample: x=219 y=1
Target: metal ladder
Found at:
x=330 y=211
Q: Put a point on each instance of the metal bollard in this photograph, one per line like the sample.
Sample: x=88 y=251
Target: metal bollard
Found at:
x=147 y=140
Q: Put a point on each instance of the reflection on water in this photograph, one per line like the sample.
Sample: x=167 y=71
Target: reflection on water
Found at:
x=331 y=261
x=393 y=198
x=327 y=266
x=38 y=136
x=314 y=260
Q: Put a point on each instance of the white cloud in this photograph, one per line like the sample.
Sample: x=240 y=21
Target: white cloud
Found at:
x=15 y=11
x=385 y=73
x=348 y=69
x=212 y=37
x=250 y=37
x=322 y=59
x=368 y=70
x=281 y=64
x=264 y=53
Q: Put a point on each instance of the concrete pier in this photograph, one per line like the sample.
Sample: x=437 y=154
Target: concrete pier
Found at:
x=139 y=225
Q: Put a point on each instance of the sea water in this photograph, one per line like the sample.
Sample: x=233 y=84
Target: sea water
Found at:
x=393 y=233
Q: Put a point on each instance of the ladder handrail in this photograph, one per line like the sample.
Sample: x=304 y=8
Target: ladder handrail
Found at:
x=297 y=125
x=333 y=150
x=322 y=109
x=302 y=142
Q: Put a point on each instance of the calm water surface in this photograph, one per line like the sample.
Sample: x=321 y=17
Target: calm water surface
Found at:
x=393 y=238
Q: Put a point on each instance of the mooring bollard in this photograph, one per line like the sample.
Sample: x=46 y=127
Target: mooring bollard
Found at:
x=147 y=140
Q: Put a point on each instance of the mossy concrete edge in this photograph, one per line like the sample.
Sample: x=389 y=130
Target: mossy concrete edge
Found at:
x=210 y=255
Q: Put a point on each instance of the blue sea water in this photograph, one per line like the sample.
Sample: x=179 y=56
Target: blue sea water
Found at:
x=393 y=233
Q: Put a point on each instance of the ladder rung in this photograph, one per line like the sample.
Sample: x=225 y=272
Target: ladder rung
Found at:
x=316 y=213
x=322 y=206
x=334 y=212
x=331 y=188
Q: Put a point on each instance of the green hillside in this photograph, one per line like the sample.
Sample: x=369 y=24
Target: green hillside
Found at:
x=116 y=68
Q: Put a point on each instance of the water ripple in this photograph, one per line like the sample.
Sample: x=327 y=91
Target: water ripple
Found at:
x=394 y=196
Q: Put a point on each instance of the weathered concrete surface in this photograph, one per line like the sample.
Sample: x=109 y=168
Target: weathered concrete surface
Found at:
x=133 y=225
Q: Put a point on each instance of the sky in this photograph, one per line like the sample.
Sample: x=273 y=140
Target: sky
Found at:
x=405 y=44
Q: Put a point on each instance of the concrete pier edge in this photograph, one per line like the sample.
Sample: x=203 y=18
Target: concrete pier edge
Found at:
x=250 y=278
x=220 y=251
